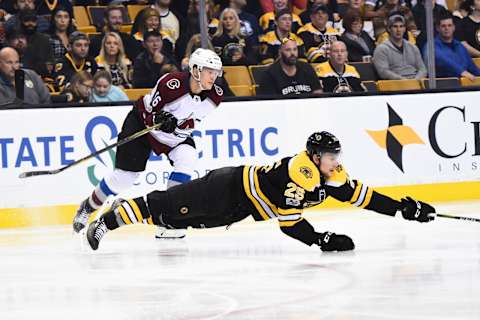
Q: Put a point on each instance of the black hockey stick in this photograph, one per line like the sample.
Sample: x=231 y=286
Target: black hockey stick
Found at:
x=457 y=217
x=116 y=144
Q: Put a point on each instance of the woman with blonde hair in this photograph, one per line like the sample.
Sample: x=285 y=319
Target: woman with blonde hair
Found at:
x=228 y=42
x=113 y=59
x=149 y=21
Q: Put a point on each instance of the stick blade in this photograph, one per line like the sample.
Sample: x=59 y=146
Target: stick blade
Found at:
x=29 y=174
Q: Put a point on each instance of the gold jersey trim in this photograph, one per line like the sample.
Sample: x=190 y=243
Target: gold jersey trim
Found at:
x=325 y=70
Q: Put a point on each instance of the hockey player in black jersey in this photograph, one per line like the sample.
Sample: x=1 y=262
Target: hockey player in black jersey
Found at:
x=282 y=191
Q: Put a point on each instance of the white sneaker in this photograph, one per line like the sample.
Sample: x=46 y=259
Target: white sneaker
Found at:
x=166 y=233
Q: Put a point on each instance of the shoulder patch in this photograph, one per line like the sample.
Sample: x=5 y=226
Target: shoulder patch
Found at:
x=303 y=172
x=218 y=90
x=339 y=177
x=173 y=84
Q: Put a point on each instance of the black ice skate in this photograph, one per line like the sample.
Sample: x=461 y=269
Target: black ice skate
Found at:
x=81 y=218
x=96 y=231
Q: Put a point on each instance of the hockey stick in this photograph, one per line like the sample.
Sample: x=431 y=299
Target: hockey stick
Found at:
x=457 y=217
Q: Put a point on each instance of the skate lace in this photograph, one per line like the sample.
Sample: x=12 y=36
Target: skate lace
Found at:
x=100 y=230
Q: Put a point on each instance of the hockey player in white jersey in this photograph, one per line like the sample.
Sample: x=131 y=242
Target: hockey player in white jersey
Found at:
x=178 y=101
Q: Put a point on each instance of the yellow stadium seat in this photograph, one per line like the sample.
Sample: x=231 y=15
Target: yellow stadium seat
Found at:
x=467 y=83
x=87 y=29
x=134 y=9
x=127 y=28
x=81 y=16
x=242 y=91
x=476 y=61
x=398 y=85
x=237 y=76
x=134 y=94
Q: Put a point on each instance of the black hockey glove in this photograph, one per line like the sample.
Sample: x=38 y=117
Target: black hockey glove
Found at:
x=417 y=210
x=329 y=241
x=167 y=120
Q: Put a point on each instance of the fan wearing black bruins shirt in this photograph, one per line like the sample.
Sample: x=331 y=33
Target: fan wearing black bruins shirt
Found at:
x=280 y=191
x=288 y=76
x=336 y=75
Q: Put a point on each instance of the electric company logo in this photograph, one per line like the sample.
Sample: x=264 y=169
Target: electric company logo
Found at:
x=395 y=137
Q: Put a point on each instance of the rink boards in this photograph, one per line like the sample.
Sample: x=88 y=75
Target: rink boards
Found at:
x=425 y=145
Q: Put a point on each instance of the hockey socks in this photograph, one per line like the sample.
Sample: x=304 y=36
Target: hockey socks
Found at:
x=128 y=212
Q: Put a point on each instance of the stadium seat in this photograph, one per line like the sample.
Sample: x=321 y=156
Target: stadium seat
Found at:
x=467 y=83
x=237 y=76
x=256 y=72
x=242 y=91
x=127 y=28
x=442 y=83
x=398 y=85
x=476 y=61
x=96 y=14
x=91 y=35
x=134 y=94
x=370 y=85
x=87 y=29
x=134 y=9
x=366 y=70
x=81 y=16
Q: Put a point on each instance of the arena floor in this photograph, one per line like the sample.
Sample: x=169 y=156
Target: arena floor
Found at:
x=399 y=270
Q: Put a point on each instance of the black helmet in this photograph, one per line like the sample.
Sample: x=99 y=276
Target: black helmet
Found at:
x=320 y=142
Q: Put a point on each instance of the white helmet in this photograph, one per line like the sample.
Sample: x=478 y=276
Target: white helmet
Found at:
x=205 y=58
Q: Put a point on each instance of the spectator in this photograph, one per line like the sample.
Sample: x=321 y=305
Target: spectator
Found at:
x=151 y=64
x=35 y=91
x=336 y=75
x=76 y=60
x=269 y=5
x=270 y=42
x=249 y=28
x=469 y=29
x=232 y=48
x=268 y=21
x=47 y=7
x=104 y=90
x=317 y=36
x=451 y=57
x=391 y=7
x=419 y=15
x=288 y=76
x=80 y=88
x=20 y=6
x=113 y=22
x=112 y=58
x=38 y=51
x=17 y=40
x=61 y=26
x=396 y=58
x=360 y=45
x=332 y=11
x=151 y=21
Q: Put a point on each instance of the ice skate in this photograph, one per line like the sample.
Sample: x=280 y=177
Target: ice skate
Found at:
x=95 y=233
x=83 y=213
x=164 y=232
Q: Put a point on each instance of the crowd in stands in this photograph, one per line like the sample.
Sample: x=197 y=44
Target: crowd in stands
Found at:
x=296 y=47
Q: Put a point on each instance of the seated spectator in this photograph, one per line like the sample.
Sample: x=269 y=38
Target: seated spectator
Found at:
x=288 y=76
x=112 y=59
x=20 y=6
x=232 y=48
x=104 y=90
x=271 y=41
x=80 y=88
x=34 y=90
x=419 y=15
x=47 y=7
x=38 y=51
x=17 y=40
x=151 y=64
x=268 y=21
x=61 y=26
x=249 y=28
x=317 y=36
x=360 y=45
x=151 y=21
x=469 y=29
x=76 y=60
x=336 y=75
x=388 y=8
x=396 y=58
x=332 y=11
x=113 y=22
x=451 y=57
x=269 y=5
x=193 y=44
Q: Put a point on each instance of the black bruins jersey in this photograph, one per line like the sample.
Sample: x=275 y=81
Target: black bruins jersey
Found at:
x=66 y=68
x=270 y=43
x=348 y=81
x=316 y=41
x=267 y=22
x=292 y=184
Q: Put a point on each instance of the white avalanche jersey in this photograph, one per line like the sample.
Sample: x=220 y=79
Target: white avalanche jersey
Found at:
x=172 y=94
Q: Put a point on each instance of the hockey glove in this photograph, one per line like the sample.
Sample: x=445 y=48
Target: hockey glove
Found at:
x=167 y=120
x=329 y=241
x=417 y=210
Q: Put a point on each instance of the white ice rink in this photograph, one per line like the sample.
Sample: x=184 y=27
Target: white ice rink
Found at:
x=399 y=270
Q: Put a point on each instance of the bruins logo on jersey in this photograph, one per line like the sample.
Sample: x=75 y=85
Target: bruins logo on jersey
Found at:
x=307 y=172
